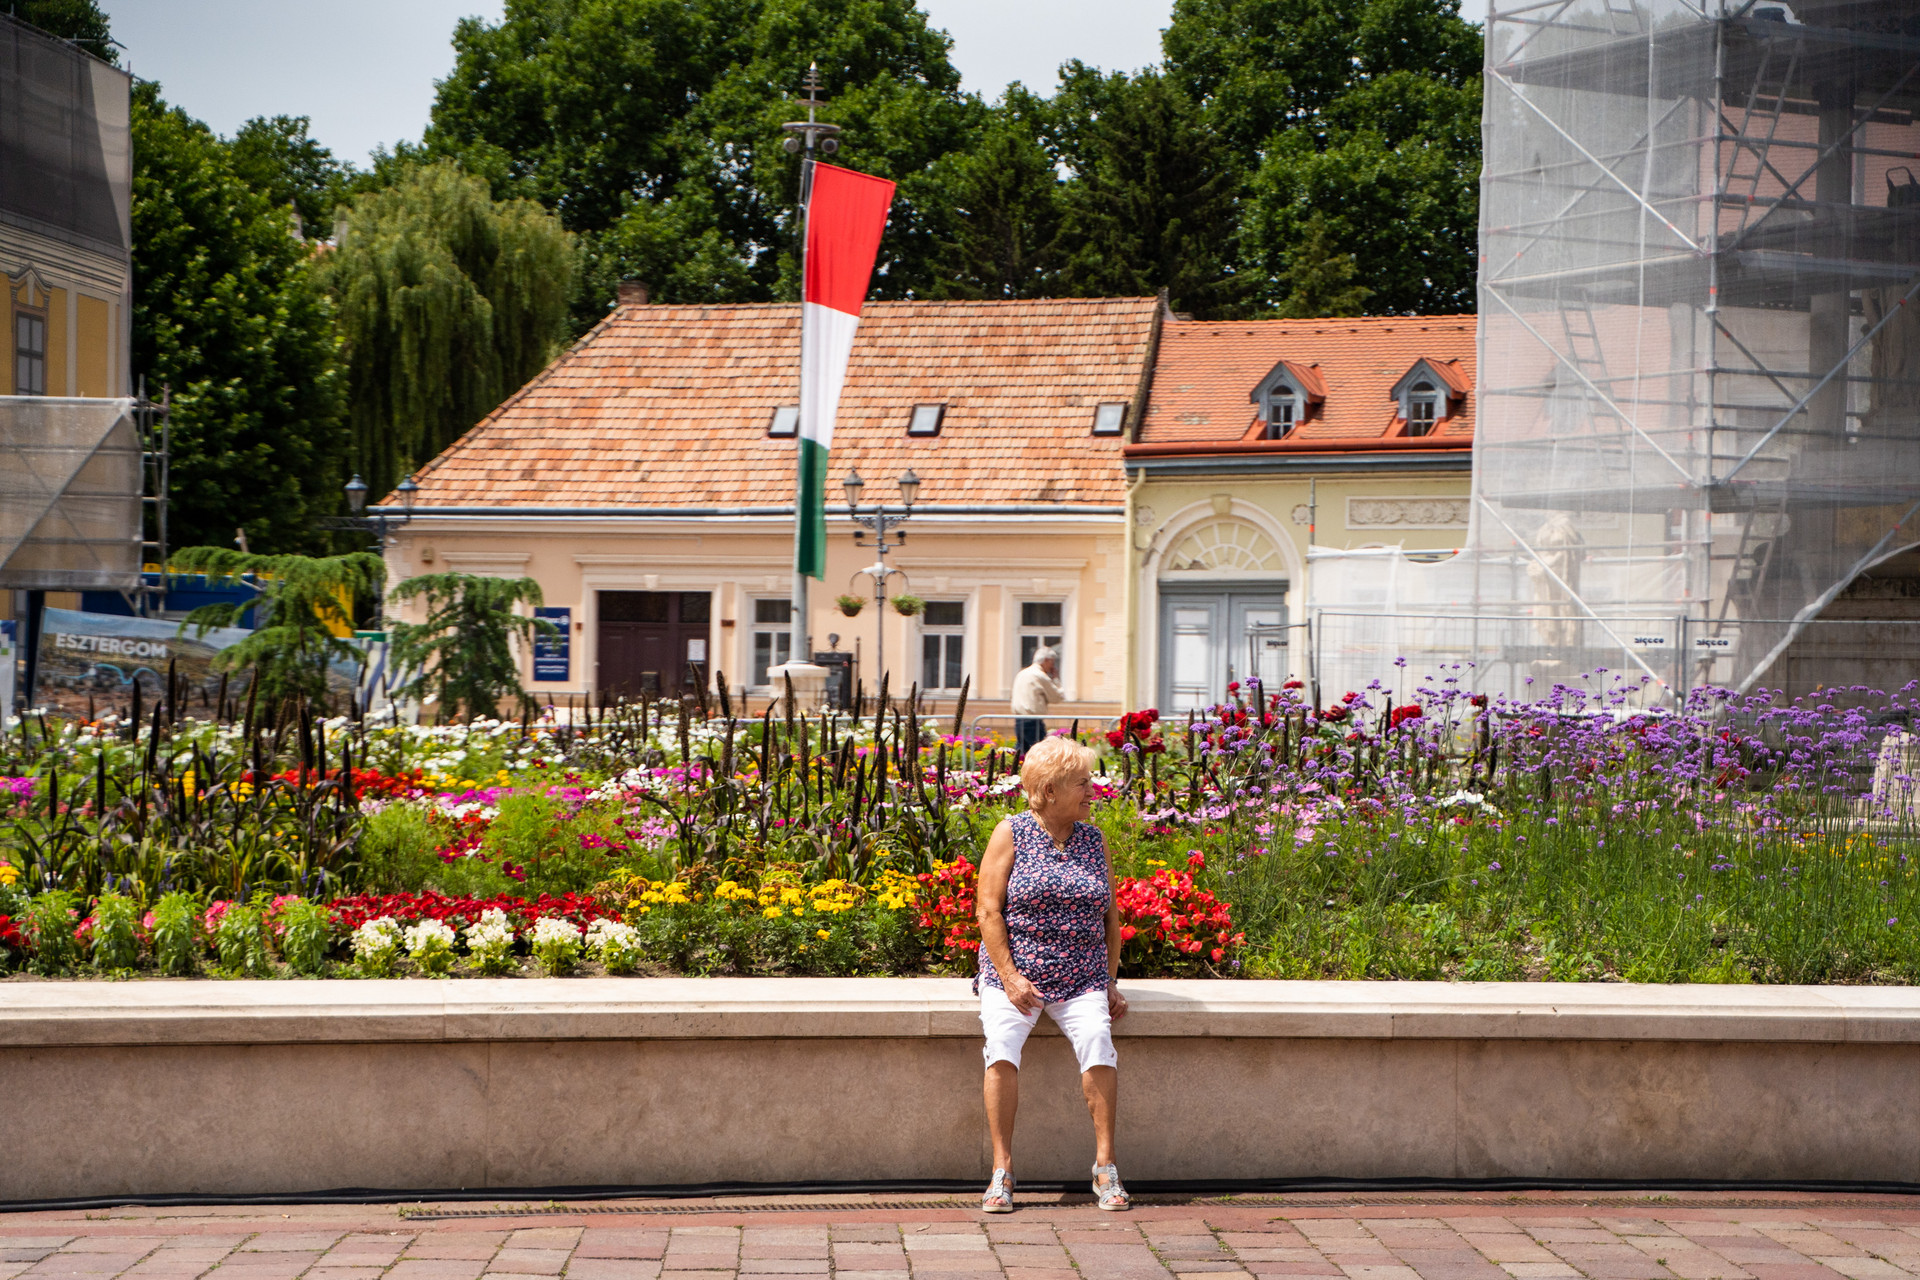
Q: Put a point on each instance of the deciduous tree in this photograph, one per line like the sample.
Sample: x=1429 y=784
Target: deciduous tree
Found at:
x=226 y=311
x=448 y=301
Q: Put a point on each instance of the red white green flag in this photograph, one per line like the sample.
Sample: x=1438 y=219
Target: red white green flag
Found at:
x=846 y=213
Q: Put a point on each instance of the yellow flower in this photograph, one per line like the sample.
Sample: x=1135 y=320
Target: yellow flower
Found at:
x=771 y=913
x=1155 y=862
x=8 y=873
x=821 y=934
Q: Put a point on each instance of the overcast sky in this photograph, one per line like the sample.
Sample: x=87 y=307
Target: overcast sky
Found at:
x=363 y=70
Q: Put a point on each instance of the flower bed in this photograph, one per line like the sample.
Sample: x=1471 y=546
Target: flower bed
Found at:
x=1578 y=835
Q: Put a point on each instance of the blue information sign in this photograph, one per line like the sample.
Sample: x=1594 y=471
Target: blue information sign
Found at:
x=552 y=654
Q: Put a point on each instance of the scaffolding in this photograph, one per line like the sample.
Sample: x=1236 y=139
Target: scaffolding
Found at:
x=1699 y=349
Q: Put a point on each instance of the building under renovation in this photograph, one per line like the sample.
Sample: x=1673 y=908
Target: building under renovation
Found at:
x=1698 y=453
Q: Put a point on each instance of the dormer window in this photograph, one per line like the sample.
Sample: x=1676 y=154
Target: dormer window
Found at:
x=1423 y=408
x=1283 y=413
x=1286 y=397
x=1426 y=394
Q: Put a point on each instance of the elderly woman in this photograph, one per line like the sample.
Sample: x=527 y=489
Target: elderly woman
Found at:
x=1050 y=939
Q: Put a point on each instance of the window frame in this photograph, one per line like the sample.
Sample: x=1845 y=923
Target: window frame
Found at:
x=946 y=631
x=22 y=316
x=1284 y=396
x=1431 y=398
x=1112 y=423
x=1042 y=634
x=785 y=422
x=779 y=633
x=915 y=425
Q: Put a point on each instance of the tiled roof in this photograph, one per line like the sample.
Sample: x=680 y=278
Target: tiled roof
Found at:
x=668 y=406
x=1207 y=369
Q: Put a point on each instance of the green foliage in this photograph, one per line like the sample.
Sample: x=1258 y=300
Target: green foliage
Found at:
x=226 y=312
x=1156 y=200
x=1001 y=234
x=113 y=937
x=1318 y=281
x=80 y=21
x=306 y=935
x=397 y=851
x=302 y=598
x=49 y=925
x=279 y=159
x=176 y=934
x=652 y=127
x=240 y=940
x=448 y=302
x=1364 y=113
x=462 y=655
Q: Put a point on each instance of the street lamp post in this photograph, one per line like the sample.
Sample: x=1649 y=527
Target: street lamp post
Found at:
x=880 y=521
x=378 y=524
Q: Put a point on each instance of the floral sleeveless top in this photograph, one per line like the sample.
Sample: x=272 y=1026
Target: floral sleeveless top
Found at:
x=1056 y=911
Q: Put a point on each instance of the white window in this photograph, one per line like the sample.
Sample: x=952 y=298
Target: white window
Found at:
x=1283 y=412
x=29 y=354
x=785 y=423
x=926 y=419
x=1423 y=408
x=772 y=638
x=1040 y=625
x=1109 y=419
x=943 y=644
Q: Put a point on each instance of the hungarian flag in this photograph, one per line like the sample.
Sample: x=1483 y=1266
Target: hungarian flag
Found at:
x=846 y=213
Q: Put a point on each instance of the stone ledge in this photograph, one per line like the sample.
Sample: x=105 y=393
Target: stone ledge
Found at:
x=181 y=1013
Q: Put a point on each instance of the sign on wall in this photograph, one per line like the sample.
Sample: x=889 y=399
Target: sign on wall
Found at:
x=553 y=654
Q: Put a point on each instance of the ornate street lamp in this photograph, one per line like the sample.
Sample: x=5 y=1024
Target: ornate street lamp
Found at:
x=880 y=521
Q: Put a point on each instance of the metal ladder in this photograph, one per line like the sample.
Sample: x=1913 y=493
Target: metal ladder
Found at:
x=1766 y=102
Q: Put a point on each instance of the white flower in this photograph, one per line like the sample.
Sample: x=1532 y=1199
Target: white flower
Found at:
x=381 y=934
x=551 y=929
x=427 y=934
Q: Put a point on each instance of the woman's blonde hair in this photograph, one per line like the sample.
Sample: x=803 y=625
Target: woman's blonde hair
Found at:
x=1048 y=763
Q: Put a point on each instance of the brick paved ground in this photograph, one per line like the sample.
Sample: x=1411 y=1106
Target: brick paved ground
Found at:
x=1467 y=1237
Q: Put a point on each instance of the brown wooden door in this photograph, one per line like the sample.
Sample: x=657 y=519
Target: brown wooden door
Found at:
x=648 y=640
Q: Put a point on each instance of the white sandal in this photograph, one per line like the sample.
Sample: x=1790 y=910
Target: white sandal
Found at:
x=1112 y=1196
x=999 y=1196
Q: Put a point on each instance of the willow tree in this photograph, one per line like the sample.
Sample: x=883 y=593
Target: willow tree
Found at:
x=448 y=301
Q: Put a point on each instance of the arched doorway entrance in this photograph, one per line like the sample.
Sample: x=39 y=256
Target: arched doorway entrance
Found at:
x=1223 y=613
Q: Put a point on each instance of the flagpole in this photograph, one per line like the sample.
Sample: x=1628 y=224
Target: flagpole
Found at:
x=803 y=137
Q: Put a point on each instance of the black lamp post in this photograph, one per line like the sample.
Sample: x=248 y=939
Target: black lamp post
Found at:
x=881 y=521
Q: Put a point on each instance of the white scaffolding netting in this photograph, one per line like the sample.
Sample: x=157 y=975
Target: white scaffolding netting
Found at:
x=1699 y=354
x=70 y=492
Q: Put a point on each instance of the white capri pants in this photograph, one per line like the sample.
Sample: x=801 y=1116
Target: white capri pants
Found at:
x=1084 y=1020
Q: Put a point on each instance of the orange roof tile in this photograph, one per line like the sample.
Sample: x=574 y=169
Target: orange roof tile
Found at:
x=668 y=406
x=1206 y=370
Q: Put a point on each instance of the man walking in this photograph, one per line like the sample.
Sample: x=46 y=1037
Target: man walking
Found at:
x=1034 y=688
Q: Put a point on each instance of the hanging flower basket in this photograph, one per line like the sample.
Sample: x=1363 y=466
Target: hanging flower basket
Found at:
x=850 y=605
x=909 y=606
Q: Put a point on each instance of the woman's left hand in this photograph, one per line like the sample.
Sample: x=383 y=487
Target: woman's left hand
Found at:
x=1116 y=1003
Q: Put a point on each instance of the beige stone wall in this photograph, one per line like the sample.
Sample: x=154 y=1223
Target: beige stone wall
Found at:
x=990 y=565
x=158 y=1087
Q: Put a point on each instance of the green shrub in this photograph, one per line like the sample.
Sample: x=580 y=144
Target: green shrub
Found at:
x=176 y=934
x=306 y=935
x=51 y=917
x=397 y=851
x=240 y=940
x=115 y=938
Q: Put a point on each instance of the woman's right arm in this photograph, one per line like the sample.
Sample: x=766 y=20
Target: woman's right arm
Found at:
x=990 y=908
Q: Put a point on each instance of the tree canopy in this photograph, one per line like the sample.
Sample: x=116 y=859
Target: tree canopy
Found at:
x=448 y=302
x=226 y=311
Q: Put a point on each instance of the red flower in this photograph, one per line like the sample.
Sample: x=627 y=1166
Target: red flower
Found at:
x=1403 y=714
x=1197 y=861
x=1292 y=684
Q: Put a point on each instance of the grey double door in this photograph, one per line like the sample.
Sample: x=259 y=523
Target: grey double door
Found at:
x=1210 y=638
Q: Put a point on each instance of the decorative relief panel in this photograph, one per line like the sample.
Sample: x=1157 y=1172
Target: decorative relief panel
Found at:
x=1407 y=513
x=1225 y=544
